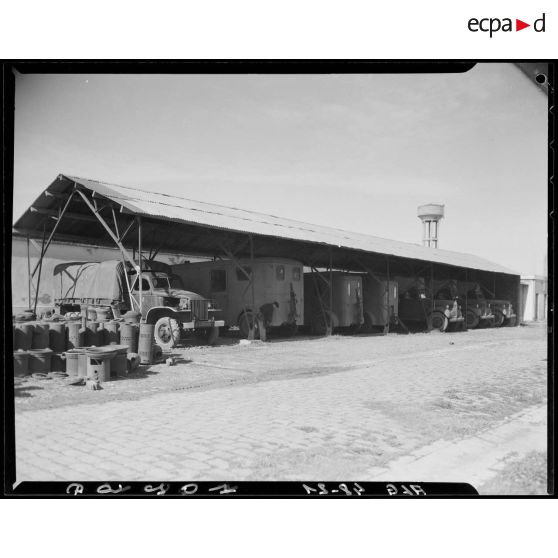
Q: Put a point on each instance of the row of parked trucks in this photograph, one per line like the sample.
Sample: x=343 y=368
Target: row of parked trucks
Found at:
x=200 y=298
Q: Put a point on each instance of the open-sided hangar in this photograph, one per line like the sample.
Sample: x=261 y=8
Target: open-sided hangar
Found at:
x=137 y=221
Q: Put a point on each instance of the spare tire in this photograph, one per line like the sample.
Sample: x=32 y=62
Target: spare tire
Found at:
x=166 y=333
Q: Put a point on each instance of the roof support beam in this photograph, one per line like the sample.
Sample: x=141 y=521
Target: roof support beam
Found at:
x=68 y=214
x=45 y=246
x=125 y=252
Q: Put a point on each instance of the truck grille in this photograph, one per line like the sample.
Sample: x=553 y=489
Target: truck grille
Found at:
x=199 y=309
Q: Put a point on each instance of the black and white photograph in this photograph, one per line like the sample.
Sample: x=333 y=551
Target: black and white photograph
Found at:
x=325 y=278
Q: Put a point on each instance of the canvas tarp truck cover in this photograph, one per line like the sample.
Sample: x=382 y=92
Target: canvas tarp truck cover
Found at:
x=95 y=280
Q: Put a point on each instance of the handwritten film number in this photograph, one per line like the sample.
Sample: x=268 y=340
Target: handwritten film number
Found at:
x=358 y=490
x=159 y=490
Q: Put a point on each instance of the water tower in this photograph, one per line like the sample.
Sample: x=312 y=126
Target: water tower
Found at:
x=430 y=214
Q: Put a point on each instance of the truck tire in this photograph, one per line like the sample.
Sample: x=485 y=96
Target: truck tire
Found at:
x=167 y=333
x=439 y=321
x=499 y=318
x=471 y=319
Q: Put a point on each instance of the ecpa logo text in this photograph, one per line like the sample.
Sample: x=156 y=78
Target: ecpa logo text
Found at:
x=494 y=24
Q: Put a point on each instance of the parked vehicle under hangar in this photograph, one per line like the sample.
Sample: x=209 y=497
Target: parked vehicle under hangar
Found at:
x=345 y=309
x=242 y=289
x=419 y=310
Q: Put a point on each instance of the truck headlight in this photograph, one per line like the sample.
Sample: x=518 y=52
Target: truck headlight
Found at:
x=185 y=304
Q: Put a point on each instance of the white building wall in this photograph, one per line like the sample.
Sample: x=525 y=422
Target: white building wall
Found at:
x=535 y=306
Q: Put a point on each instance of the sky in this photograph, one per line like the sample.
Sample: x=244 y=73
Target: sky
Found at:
x=356 y=152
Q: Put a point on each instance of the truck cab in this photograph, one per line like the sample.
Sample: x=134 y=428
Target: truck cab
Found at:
x=171 y=308
x=500 y=312
x=417 y=309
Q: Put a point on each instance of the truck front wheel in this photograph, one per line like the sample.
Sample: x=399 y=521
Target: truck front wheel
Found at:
x=439 y=321
x=167 y=333
x=499 y=318
x=472 y=319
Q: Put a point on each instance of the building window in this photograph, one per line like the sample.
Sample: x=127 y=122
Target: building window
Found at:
x=241 y=273
x=296 y=273
x=280 y=272
x=218 y=280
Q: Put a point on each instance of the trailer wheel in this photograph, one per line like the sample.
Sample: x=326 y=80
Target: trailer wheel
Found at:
x=292 y=329
x=167 y=333
x=472 y=319
x=499 y=318
x=439 y=321
x=245 y=322
x=367 y=323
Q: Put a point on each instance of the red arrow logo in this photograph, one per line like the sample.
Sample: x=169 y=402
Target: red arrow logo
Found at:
x=519 y=25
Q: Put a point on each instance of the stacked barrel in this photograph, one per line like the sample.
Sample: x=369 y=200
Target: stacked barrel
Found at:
x=89 y=345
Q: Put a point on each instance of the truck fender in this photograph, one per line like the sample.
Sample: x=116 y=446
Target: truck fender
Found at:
x=157 y=312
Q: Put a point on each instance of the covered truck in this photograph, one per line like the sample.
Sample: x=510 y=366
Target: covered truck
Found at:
x=164 y=302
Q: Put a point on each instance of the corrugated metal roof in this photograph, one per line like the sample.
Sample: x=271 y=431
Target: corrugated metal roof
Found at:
x=183 y=210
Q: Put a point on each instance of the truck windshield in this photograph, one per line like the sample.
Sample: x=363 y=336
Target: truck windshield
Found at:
x=161 y=283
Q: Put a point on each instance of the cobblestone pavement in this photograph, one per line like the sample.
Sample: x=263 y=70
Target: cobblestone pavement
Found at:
x=335 y=424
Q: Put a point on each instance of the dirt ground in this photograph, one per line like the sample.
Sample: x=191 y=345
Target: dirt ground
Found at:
x=425 y=388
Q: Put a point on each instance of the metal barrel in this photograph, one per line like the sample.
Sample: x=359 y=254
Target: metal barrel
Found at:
x=101 y=335
x=82 y=363
x=75 y=336
x=40 y=360
x=40 y=338
x=58 y=362
x=98 y=365
x=119 y=364
x=132 y=317
x=24 y=336
x=112 y=333
x=91 y=335
x=129 y=337
x=21 y=363
x=145 y=345
x=57 y=337
x=72 y=362
x=157 y=353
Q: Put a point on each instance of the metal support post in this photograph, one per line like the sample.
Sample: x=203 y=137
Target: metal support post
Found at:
x=386 y=328
x=45 y=246
x=28 y=273
x=330 y=323
x=40 y=264
x=431 y=294
x=140 y=266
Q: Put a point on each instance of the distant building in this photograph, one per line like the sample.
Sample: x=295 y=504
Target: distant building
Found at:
x=534 y=289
